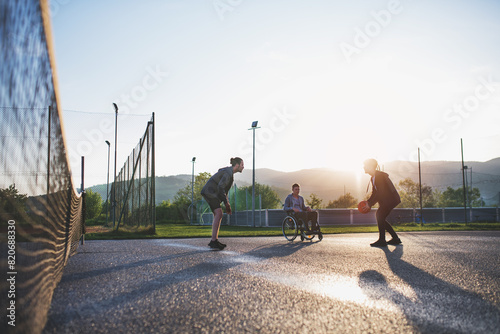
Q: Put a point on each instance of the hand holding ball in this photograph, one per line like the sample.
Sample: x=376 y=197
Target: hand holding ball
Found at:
x=364 y=207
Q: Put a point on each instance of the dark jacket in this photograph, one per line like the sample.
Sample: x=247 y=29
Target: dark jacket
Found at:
x=219 y=184
x=384 y=191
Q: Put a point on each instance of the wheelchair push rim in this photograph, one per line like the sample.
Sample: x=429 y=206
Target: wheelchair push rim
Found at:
x=289 y=228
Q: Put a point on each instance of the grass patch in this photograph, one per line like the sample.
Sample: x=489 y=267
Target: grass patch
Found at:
x=205 y=231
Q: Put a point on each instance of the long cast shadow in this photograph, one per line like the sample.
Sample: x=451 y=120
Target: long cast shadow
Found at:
x=198 y=271
x=438 y=306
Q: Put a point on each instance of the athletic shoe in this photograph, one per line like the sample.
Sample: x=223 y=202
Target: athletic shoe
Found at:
x=379 y=243
x=395 y=241
x=216 y=245
x=220 y=243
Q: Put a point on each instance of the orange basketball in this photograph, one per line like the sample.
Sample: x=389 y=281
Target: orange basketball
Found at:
x=364 y=207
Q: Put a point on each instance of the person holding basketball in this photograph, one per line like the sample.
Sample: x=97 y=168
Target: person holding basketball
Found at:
x=385 y=194
x=215 y=191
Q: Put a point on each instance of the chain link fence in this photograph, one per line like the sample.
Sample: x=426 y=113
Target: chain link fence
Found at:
x=134 y=204
x=41 y=214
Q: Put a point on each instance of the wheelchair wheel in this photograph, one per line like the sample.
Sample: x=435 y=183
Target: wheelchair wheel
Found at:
x=308 y=230
x=289 y=228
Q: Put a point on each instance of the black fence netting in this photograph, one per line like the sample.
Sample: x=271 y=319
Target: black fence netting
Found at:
x=40 y=212
x=133 y=204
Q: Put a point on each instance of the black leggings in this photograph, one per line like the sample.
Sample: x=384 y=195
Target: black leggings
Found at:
x=308 y=216
x=383 y=224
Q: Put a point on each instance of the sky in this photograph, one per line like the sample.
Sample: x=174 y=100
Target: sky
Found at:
x=331 y=83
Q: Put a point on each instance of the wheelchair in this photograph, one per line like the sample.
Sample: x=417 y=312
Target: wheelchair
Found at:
x=292 y=226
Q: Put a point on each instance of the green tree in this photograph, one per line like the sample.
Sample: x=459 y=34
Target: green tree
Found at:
x=410 y=194
x=314 y=201
x=344 y=201
x=168 y=211
x=269 y=197
x=182 y=199
x=455 y=197
x=93 y=204
x=12 y=203
x=183 y=195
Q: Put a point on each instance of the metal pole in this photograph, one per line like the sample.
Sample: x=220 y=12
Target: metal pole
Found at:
x=260 y=210
x=470 y=195
x=192 y=191
x=253 y=181
x=107 y=185
x=114 y=182
x=235 y=204
x=467 y=185
x=48 y=152
x=463 y=180
x=253 y=128
x=420 y=189
x=470 y=202
x=84 y=201
x=153 y=173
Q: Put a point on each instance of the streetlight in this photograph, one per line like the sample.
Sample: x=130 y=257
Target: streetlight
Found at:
x=253 y=128
x=107 y=184
x=192 y=191
x=114 y=182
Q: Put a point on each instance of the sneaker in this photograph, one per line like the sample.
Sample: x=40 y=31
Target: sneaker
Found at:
x=216 y=245
x=379 y=243
x=220 y=243
x=395 y=241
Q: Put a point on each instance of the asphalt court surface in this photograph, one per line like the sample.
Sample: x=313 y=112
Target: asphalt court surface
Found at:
x=436 y=282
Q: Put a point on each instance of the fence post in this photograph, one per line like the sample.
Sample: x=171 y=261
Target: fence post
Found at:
x=83 y=201
x=153 y=175
x=246 y=205
x=260 y=210
x=48 y=153
x=235 y=205
x=351 y=216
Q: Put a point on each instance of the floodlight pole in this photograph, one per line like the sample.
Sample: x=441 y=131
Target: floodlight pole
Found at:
x=114 y=180
x=107 y=184
x=192 y=191
x=253 y=128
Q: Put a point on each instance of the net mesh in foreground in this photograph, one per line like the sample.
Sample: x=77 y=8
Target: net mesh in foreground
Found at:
x=40 y=212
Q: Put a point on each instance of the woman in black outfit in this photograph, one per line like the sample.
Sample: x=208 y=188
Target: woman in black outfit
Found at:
x=387 y=197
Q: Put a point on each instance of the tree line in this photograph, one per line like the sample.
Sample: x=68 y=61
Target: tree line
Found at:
x=410 y=197
x=12 y=203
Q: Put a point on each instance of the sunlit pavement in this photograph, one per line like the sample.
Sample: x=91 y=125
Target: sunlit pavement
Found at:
x=436 y=282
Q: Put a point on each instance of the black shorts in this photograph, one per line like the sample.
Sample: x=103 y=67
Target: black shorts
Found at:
x=213 y=203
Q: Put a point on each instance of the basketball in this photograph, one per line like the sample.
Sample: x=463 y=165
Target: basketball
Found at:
x=364 y=207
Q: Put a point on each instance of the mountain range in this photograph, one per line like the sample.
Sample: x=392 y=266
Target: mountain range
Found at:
x=329 y=184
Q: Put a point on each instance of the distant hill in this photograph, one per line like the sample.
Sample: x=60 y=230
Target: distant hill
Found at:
x=166 y=187
x=329 y=184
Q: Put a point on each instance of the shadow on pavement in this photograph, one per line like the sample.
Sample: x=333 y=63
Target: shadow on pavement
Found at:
x=136 y=291
x=435 y=306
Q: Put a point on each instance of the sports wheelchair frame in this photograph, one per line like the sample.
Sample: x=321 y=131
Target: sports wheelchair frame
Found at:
x=292 y=226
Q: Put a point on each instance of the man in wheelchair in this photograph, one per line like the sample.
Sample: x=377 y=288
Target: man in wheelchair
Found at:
x=294 y=204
